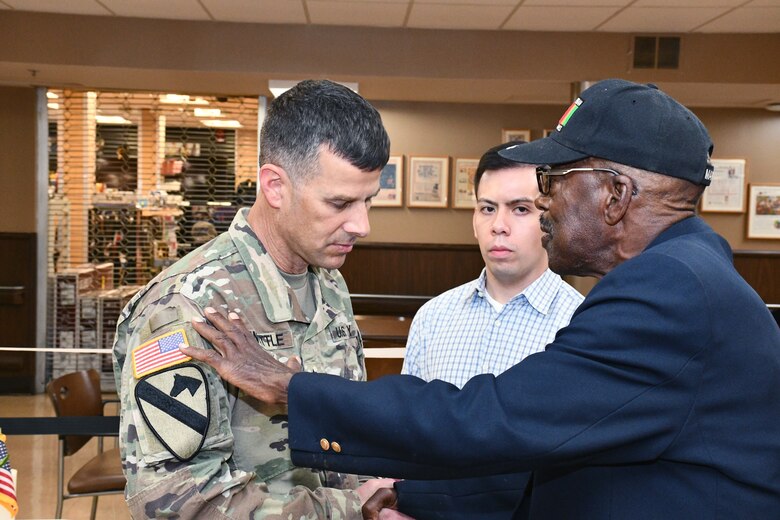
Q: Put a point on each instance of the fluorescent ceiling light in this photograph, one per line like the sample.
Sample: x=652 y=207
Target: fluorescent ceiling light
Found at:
x=51 y=95
x=182 y=99
x=53 y=106
x=279 y=87
x=221 y=123
x=207 y=112
x=112 y=120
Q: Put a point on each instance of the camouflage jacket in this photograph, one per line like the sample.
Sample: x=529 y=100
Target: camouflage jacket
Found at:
x=193 y=446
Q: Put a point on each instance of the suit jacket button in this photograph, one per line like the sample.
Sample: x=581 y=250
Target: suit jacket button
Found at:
x=336 y=447
x=324 y=444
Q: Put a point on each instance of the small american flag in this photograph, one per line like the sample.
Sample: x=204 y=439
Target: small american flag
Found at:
x=7 y=482
x=161 y=352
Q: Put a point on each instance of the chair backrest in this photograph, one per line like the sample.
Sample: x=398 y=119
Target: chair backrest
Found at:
x=76 y=394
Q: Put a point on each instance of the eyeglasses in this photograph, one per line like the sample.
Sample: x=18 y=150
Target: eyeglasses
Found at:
x=545 y=173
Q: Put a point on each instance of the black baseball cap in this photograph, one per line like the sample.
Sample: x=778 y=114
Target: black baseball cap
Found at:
x=627 y=123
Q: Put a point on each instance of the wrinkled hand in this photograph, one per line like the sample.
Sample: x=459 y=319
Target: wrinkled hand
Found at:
x=369 y=487
x=382 y=506
x=239 y=360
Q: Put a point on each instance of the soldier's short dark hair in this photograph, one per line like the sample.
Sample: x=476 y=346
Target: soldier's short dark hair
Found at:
x=321 y=112
x=491 y=160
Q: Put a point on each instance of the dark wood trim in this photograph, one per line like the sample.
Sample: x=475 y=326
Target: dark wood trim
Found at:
x=10 y=235
x=385 y=278
x=416 y=246
x=373 y=304
x=390 y=278
x=18 y=298
x=746 y=252
x=761 y=269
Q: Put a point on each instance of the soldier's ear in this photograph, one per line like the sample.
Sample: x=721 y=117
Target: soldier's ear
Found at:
x=273 y=180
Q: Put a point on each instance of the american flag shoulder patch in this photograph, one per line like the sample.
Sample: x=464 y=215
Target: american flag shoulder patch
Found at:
x=160 y=352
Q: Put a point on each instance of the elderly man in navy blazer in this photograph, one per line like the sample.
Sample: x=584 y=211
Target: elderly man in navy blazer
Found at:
x=660 y=400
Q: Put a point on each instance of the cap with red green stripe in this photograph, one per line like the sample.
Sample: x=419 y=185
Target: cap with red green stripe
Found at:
x=627 y=123
x=567 y=115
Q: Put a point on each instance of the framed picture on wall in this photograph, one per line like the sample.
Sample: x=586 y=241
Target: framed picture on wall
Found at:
x=391 y=184
x=763 y=211
x=726 y=192
x=463 y=183
x=428 y=182
x=515 y=135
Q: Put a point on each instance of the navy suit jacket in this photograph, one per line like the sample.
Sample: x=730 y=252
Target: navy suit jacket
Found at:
x=660 y=400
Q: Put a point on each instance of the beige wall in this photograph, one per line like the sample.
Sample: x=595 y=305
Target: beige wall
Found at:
x=753 y=135
x=391 y=64
x=445 y=129
x=465 y=130
x=17 y=159
x=191 y=56
x=441 y=129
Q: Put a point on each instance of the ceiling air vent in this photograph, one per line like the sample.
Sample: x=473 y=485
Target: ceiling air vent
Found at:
x=656 y=52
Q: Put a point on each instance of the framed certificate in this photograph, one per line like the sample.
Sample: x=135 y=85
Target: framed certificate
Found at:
x=515 y=135
x=428 y=182
x=463 y=183
x=726 y=192
x=764 y=211
x=391 y=183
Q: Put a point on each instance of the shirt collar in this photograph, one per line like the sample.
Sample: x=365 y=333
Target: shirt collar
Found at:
x=274 y=291
x=478 y=286
x=686 y=226
x=542 y=291
x=270 y=286
x=539 y=294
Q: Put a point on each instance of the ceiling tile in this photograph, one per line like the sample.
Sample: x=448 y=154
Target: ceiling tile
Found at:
x=746 y=20
x=374 y=14
x=576 y=3
x=405 y=2
x=58 y=6
x=559 y=19
x=469 y=2
x=440 y=16
x=170 y=9
x=687 y=3
x=661 y=19
x=257 y=11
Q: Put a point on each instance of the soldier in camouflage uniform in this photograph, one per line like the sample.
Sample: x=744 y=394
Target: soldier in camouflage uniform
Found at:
x=194 y=446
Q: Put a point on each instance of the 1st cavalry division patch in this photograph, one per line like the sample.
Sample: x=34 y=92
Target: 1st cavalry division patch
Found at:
x=160 y=352
x=175 y=405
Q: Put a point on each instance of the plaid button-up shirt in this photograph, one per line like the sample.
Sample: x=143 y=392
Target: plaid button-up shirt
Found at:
x=459 y=334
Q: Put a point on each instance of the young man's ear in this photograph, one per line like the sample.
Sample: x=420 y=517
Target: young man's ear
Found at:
x=273 y=179
x=618 y=199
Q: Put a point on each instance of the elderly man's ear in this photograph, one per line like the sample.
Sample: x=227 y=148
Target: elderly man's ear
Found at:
x=618 y=199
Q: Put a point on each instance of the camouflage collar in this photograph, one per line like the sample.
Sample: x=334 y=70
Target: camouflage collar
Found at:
x=332 y=292
x=274 y=291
